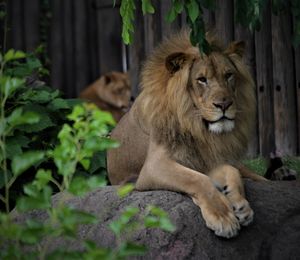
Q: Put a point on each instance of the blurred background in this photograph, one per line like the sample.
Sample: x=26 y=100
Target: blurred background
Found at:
x=82 y=40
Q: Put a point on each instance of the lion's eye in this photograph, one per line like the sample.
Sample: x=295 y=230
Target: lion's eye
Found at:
x=228 y=76
x=202 y=80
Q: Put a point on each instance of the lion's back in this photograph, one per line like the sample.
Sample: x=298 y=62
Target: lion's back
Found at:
x=127 y=160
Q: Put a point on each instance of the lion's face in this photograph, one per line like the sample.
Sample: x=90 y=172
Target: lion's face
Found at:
x=212 y=88
x=114 y=88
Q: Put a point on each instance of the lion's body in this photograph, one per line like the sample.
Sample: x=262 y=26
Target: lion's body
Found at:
x=179 y=129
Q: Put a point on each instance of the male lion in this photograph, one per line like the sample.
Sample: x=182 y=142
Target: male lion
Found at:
x=111 y=92
x=188 y=129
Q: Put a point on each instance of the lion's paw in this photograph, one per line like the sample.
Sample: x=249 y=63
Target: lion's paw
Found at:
x=240 y=206
x=243 y=212
x=219 y=217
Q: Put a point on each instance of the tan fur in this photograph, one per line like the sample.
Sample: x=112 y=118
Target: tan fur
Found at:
x=111 y=92
x=185 y=135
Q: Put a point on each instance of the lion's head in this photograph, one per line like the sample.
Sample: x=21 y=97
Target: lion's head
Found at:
x=208 y=97
x=112 y=88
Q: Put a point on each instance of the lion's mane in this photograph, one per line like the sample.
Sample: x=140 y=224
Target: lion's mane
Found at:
x=169 y=110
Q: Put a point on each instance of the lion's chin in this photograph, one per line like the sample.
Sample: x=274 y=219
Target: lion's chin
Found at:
x=222 y=126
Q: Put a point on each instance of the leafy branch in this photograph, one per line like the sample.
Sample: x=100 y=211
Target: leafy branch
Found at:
x=248 y=13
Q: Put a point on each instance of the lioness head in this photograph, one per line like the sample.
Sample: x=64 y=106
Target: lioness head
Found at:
x=212 y=85
x=112 y=88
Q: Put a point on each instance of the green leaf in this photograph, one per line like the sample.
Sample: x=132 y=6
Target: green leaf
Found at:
x=58 y=104
x=42 y=178
x=166 y=224
x=36 y=200
x=130 y=249
x=124 y=190
x=22 y=162
x=14 y=55
x=33 y=232
x=85 y=163
x=14 y=145
x=127 y=13
x=95 y=252
x=147 y=7
x=193 y=10
x=44 y=122
x=178 y=6
x=158 y=218
x=157 y=211
x=96 y=182
x=18 y=117
x=151 y=222
x=98 y=161
x=128 y=214
x=80 y=185
x=9 y=85
x=77 y=112
x=171 y=15
x=120 y=225
x=24 y=69
x=38 y=96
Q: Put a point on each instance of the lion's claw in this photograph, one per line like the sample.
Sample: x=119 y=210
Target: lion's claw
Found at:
x=219 y=217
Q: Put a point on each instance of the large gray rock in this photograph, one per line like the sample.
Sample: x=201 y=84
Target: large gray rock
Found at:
x=274 y=234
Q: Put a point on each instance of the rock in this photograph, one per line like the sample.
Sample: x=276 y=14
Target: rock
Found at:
x=274 y=234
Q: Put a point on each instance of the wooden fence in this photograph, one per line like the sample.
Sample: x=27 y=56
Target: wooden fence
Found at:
x=84 y=42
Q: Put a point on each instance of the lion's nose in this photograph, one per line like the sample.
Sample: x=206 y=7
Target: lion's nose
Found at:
x=223 y=105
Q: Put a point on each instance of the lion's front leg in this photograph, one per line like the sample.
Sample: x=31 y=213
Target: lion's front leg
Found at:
x=160 y=172
x=228 y=180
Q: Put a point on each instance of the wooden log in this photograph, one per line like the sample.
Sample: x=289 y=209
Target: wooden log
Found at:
x=31 y=12
x=69 y=48
x=166 y=27
x=17 y=24
x=224 y=16
x=137 y=52
x=56 y=45
x=243 y=34
x=297 y=87
x=93 y=47
x=152 y=27
x=109 y=39
x=81 y=48
x=264 y=81
x=283 y=78
x=209 y=19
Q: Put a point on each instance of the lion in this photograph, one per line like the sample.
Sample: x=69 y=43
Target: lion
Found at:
x=111 y=93
x=188 y=129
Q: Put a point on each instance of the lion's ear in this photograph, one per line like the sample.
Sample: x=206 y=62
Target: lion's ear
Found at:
x=237 y=47
x=107 y=78
x=175 y=61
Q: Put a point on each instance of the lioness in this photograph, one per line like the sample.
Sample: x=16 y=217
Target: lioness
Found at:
x=111 y=93
x=188 y=129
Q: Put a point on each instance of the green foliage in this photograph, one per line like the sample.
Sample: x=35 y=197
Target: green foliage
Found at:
x=127 y=10
x=248 y=13
x=125 y=190
x=258 y=165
